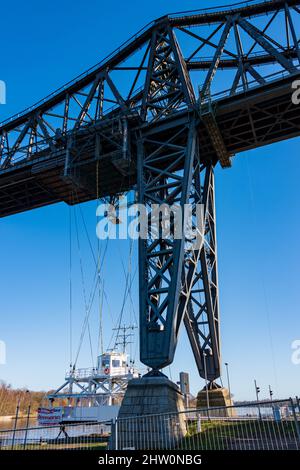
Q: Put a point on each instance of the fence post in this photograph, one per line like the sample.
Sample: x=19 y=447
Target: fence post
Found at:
x=27 y=425
x=116 y=433
x=295 y=419
x=198 y=423
x=298 y=403
x=112 y=434
x=15 y=426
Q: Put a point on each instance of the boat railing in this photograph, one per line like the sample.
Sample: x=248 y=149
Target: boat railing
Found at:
x=94 y=372
x=81 y=373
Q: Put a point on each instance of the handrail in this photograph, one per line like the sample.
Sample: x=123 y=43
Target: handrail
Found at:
x=79 y=77
x=219 y=8
x=122 y=47
x=249 y=57
x=268 y=78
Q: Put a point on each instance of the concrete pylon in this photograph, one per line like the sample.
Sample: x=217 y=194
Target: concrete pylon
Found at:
x=218 y=397
x=152 y=414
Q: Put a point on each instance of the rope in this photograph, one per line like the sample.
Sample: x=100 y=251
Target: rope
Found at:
x=98 y=283
x=89 y=303
x=128 y=285
x=86 y=320
x=262 y=277
x=87 y=309
x=100 y=334
x=70 y=288
x=132 y=309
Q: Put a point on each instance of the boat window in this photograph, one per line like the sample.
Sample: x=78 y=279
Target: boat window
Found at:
x=105 y=362
x=115 y=363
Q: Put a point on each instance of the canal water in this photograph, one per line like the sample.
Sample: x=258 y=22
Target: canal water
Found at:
x=9 y=424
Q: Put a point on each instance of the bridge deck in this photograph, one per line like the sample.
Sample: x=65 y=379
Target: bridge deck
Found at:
x=255 y=118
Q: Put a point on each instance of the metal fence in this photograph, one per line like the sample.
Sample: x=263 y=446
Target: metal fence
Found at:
x=83 y=436
x=261 y=426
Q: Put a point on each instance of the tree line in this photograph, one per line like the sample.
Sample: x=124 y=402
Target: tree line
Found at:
x=10 y=398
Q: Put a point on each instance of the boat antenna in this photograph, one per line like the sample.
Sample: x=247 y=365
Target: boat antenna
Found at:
x=123 y=336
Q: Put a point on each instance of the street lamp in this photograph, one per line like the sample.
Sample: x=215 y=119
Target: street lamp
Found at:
x=257 y=391
x=271 y=393
x=228 y=381
x=206 y=352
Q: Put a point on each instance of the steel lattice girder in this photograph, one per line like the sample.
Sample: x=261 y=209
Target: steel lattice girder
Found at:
x=161 y=260
x=169 y=173
x=175 y=281
x=165 y=133
x=46 y=128
x=201 y=288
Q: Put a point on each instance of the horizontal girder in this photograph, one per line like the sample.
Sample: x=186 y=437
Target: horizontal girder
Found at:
x=118 y=58
x=158 y=114
x=247 y=121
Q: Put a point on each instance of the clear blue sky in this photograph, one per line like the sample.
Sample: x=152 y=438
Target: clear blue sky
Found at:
x=45 y=45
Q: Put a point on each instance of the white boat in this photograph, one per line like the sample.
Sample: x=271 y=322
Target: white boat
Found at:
x=93 y=394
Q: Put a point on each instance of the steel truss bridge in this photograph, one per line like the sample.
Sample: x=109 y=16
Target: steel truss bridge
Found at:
x=188 y=91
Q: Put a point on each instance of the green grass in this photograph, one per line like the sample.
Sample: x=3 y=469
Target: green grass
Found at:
x=82 y=442
x=222 y=435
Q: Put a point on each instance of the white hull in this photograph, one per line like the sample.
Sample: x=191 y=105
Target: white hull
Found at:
x=100 y=413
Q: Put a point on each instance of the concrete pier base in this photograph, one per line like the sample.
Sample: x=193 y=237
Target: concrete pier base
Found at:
x=160 y=399
x=217 y=397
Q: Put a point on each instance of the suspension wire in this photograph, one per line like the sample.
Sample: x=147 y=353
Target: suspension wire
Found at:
x=262 y=276
x=96 y=284
x=87 y=233
x=83 y=285
x=127 y=284
x=130 y=303
x=132 y=277
x=119 y=321
x=131 y=306
x=132 y=310
x=86 y=320
x=100 y=334
x=96 y=280
x=127 y=291
x=108 y=306
x=100 y=292
x=135 y=348
x=70 y=287
x=97 y=261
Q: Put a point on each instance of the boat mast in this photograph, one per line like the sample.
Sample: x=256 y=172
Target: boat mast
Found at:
x=123 y=337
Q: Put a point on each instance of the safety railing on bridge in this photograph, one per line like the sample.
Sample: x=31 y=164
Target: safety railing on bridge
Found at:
x=133 y=39
x=270 y=78
x=226 y=9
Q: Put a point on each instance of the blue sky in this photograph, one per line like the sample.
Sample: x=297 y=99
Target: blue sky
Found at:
x=47 y=44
